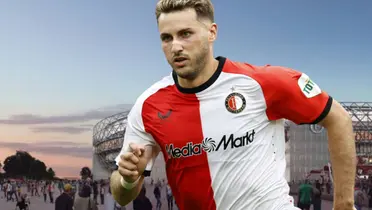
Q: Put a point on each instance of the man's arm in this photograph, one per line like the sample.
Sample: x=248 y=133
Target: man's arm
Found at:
x=294 y=96
x=343 y=155
x=137 y=154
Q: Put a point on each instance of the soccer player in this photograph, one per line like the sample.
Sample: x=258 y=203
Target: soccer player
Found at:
x=219 y=123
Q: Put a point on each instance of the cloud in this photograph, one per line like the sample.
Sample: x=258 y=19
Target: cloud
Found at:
x=98 y=114
x=59 y=143
x=67 y=171
x=52 y=148
x=87 y=125
x=62 y=129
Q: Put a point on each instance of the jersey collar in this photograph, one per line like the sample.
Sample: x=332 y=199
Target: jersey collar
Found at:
x=205 y=85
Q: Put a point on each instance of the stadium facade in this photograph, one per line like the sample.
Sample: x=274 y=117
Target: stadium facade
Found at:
x=108 y=137
x=308 y=150
x=306 y=147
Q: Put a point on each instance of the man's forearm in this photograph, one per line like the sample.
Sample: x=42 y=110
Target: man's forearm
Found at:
x=120 y=194
x=343 y=158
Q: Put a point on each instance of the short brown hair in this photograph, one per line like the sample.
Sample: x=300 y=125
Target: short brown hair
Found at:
x=203 y=8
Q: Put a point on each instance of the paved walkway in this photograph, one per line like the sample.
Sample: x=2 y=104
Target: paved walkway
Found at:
x=37 y=203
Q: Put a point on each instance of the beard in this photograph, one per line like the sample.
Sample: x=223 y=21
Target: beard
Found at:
x=195 y=65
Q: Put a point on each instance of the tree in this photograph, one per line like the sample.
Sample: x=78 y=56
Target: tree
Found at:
x=50 y=173
x=38 y=170
x=13 y=165
x=22 y=164
x=85 y=172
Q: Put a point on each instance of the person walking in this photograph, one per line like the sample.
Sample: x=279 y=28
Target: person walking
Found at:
x=83 y=200
x=64 y=201
x=317 y=197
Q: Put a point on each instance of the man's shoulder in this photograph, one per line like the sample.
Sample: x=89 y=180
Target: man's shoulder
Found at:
x=260 y=73
x=243 y=68
x=162 y=84
x=59 y=198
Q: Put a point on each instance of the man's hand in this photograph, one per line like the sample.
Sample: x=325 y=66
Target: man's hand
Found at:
x=133 y=163
x=131 y=166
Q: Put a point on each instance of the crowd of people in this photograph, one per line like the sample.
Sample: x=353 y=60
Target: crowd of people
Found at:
x=142 y=202
x=65 y=194
x=363 y=192
x=311 y=192
x=81 y=194
x=13 y=191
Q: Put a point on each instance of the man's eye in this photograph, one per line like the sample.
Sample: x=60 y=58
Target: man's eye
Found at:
x=166 y=38
x=186 y=34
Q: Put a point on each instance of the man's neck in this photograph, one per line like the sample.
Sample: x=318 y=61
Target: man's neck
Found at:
x=205 y=74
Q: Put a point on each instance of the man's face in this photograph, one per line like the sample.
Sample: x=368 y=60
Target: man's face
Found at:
x=186 y=41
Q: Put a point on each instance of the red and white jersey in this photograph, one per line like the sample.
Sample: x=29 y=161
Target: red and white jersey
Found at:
x=223 y=142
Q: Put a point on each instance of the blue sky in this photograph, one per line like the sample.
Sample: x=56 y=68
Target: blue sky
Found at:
x=69 y=57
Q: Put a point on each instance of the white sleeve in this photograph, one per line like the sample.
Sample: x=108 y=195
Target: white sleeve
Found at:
x=135 y=133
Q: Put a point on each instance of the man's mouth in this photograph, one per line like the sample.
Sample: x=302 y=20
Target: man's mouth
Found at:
x=180 y=61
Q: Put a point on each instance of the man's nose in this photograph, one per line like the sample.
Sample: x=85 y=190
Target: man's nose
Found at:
x=176 y=47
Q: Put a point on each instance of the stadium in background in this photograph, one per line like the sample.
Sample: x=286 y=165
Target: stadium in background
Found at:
x=108 y=137
x=306 y=145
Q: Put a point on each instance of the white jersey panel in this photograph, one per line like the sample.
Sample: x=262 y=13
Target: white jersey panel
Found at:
x=243 y=145
x=279 y=143
x=135 y=130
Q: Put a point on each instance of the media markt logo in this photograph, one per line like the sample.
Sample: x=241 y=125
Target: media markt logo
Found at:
x=209 y=145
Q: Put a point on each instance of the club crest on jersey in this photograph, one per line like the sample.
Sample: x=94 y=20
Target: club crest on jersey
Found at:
x=235 y=103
